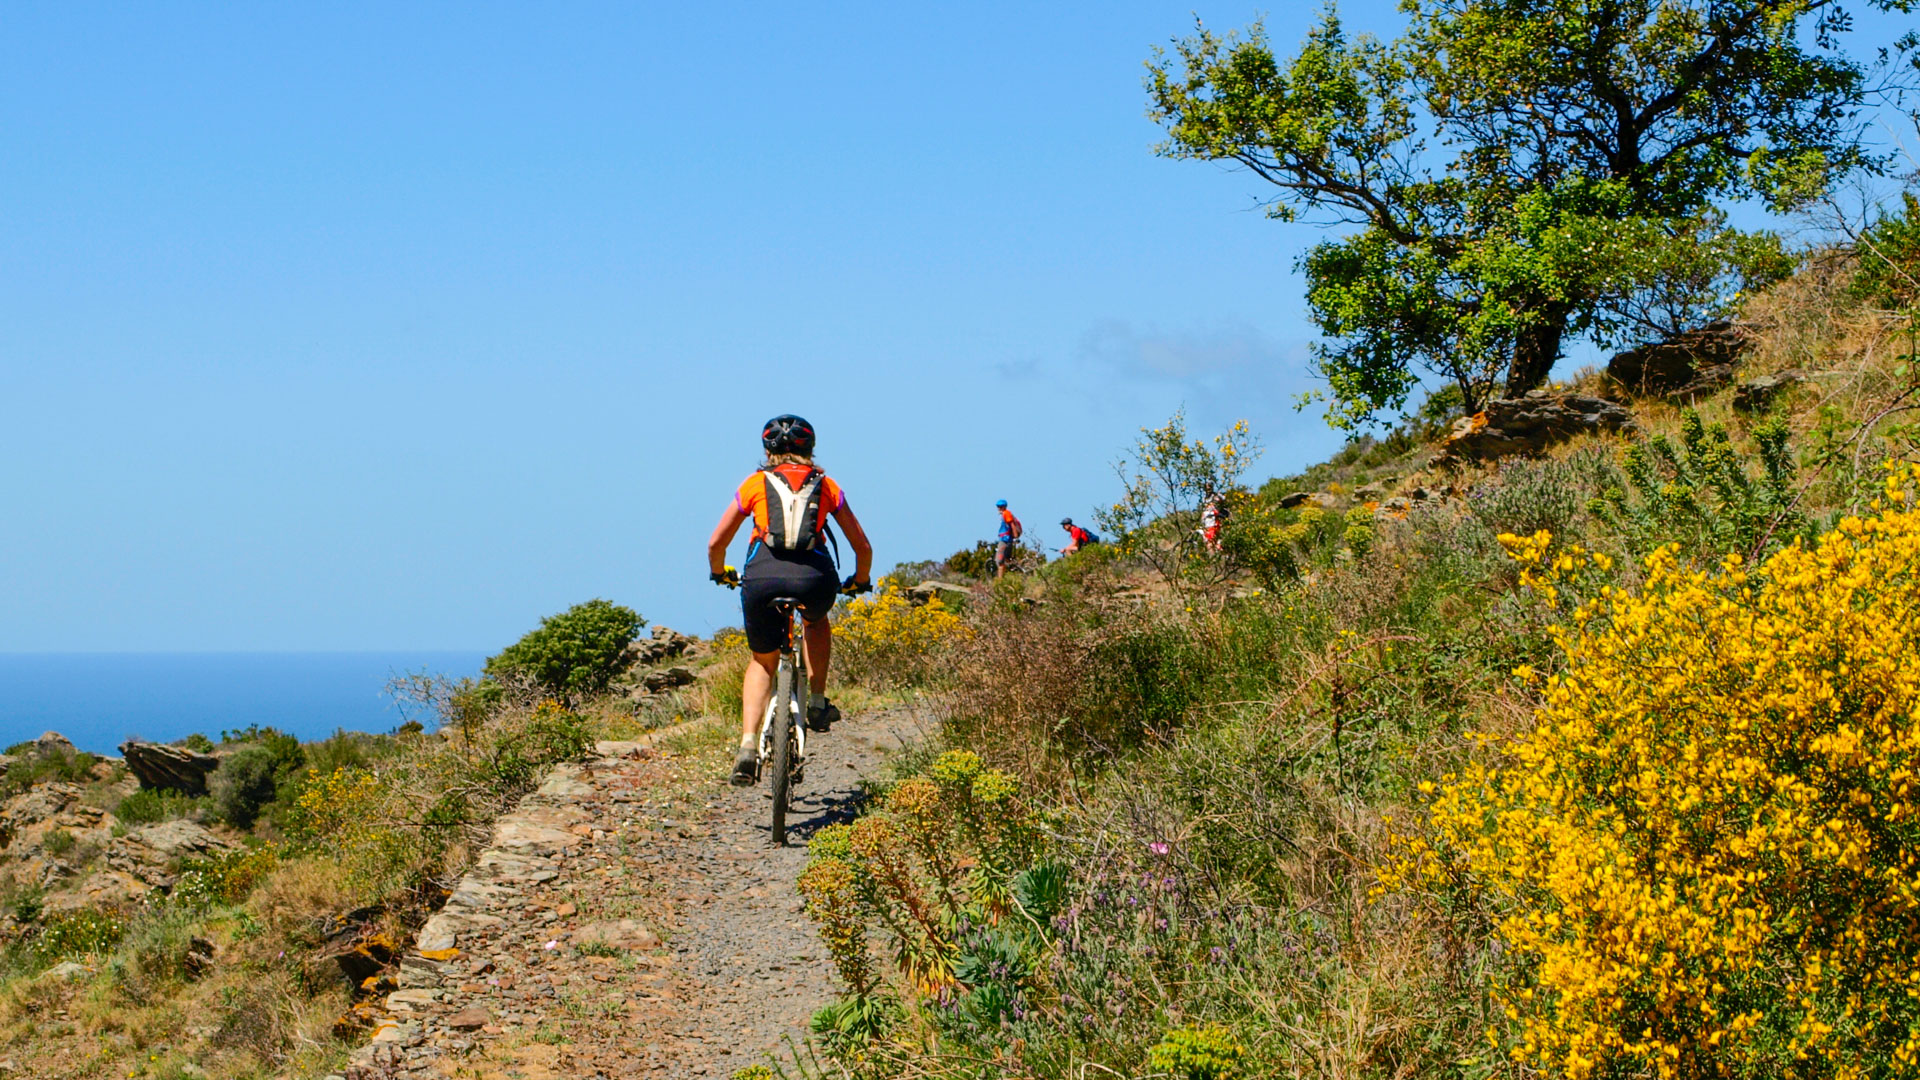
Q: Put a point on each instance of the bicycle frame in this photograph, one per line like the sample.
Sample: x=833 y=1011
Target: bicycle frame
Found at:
x=791 y=691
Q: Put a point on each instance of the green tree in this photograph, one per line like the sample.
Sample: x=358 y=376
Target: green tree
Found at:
x=1521 y=172
x=573 y=654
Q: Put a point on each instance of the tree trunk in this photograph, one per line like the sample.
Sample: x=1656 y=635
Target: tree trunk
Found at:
x=1537 y=349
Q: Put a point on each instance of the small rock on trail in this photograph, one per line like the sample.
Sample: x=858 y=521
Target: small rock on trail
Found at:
x=631 y=919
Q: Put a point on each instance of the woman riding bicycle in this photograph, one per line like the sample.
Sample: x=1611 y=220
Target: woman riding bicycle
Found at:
x=788 y=500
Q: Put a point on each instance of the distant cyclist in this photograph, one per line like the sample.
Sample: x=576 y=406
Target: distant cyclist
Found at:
x=788 y=500
x=1077 y=537
x=1213 y=514
x=1008 y=536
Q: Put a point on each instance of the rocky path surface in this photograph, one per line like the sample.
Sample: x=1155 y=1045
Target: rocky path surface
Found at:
x=630 y=919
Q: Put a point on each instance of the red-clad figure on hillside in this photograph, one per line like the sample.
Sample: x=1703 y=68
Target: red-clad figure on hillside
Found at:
x=1077 y=537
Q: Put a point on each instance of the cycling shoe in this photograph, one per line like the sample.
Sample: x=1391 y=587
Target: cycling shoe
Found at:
x=822 y=718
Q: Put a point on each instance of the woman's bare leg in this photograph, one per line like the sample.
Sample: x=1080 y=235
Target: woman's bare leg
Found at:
x=819 y=649
x=756 y=689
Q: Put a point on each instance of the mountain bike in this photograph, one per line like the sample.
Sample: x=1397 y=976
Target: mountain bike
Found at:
x=783 y=732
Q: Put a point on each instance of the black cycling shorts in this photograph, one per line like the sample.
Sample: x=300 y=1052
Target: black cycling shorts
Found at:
x=809 y=576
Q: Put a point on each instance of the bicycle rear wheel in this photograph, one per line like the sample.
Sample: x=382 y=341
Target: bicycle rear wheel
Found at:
x=781 y=736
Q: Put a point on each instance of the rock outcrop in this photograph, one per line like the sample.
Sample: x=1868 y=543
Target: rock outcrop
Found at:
x=927 y=590
x=1758 y=393
x=149 y=854
x=655 y=682
x=1528 y=425
x=664 y=645
x=1681 y=361
x=168 y=768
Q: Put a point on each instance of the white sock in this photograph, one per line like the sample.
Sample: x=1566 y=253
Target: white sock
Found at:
x=818 y=701
x=748 y=742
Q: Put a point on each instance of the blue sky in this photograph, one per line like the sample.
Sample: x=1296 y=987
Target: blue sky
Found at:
x=400 y=326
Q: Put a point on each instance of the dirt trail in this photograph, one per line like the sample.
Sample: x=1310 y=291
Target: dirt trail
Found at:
x=629 y=920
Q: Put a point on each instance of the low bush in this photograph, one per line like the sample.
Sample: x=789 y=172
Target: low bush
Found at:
x=149 y=805
x=572 y=655
x=974 y=562
x=1698 y=860
x=1888 y=252
x=77 y=933
x=33 y=766
x=243 y=785
x=885 y=641
x=1705 y=496
x=944 y=874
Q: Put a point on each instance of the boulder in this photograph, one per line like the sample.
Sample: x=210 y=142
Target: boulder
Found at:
x=41 y=802
x=1530 y=424
x=149 y=853
x=53 y=743
x=1669 y=365
x=169 y=768
x=102 y=889
x=1705 y=381
x=655 y=682
x=1758 y=393
x=665 y=644
x=618 y=934
x=927 y=590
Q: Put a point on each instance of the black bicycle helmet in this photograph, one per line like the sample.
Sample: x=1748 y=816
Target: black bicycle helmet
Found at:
x=1066 y=521
x=787 y=434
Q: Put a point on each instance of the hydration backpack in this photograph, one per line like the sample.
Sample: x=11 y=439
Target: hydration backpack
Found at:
x=793 y=517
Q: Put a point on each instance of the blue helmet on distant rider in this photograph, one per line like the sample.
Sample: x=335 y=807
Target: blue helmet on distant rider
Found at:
x=787 y=434
x=1002 y=504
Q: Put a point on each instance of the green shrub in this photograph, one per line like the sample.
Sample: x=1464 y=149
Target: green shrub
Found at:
x=1528 y=496
x=32 y=767
x=245 y=783
x=1889 y=254
x=973 y=562
x=1190 y=1053
x=573 y=654
x=78 y=933
x=1701 y=494
x=552 y=735
x=198 y=743
x=58 y=842
x=148 y=805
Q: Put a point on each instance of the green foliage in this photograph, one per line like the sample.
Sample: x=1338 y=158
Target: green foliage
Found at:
x=1502 y=203
x=1278 y=545
x=197 y=743
x=573 y=654
x=552 y=735
x=1527 y=496
x=78 y=933
x=32 y=766
x=1168 y=478
x=973 y=562
x=226 y=878
x=1889 y=254
x=58 y=842
x=253 y=777
x=845 y=1027
x=243 y=785
x=1188 y=1053
x=1701 y=495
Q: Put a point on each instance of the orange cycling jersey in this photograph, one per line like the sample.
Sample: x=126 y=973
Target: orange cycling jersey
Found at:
x=751 y=498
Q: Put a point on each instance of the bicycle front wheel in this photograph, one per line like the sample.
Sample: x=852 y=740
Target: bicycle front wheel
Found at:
x=782 y=738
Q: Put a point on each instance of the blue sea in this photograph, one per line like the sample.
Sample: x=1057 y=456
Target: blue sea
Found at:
x=100 y=699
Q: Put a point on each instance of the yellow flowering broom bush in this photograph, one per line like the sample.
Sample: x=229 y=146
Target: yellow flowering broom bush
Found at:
x=885 y=639
x=1704 y=858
